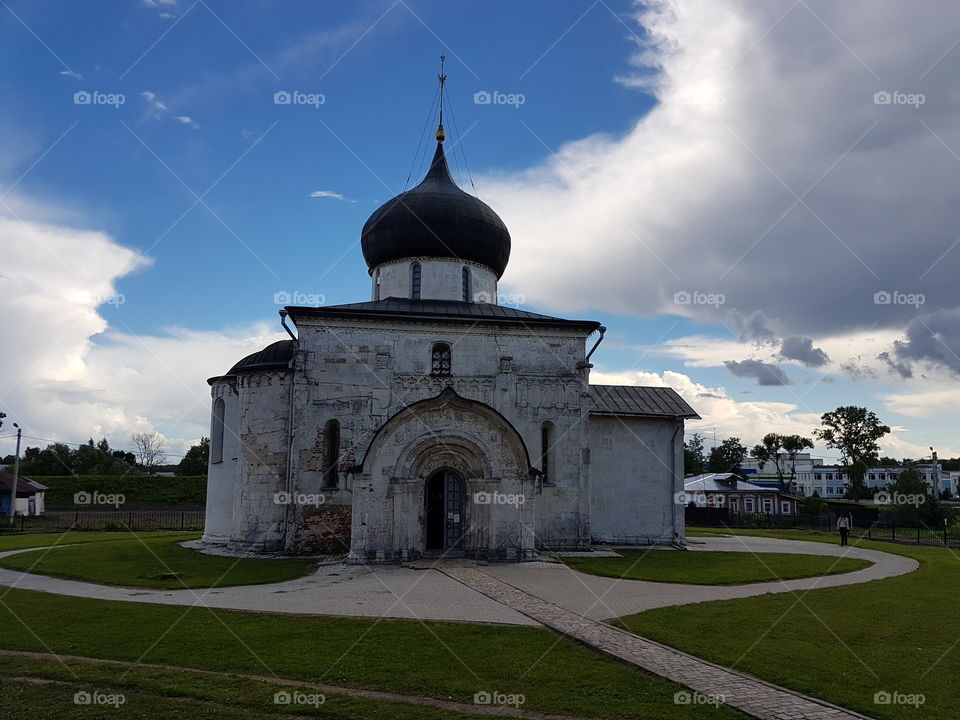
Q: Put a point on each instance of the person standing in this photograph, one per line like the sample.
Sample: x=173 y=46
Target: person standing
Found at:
x=843 y=525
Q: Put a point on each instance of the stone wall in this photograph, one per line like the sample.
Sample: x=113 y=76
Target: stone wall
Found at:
x=323 y=529
x=636 y=472
x=222 y=474
x=440 y=279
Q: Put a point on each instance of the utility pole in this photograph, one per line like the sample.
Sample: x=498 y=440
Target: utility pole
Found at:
x=16 y=477
x=935 y=476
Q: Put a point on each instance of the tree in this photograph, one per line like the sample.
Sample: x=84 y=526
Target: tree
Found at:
x=150 y=449
x=853 y=431
x=782 y=451
x=728 y=456
x=793 y=445
x=196 y=459
x=693 y=456
x=813 y=505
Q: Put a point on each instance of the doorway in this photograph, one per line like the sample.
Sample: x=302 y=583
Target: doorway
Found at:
x=444 y=499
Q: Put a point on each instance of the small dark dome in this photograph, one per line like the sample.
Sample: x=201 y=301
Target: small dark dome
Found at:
x=275 y=356
x=436 y=219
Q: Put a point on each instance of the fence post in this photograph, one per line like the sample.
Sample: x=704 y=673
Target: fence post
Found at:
x=944 y=532
x=181 y=519
x=893 y=530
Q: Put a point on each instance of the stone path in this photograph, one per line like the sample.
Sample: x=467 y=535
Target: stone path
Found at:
x=396 y=592
x=751 y=695
x=602 y=598
x=346 y=590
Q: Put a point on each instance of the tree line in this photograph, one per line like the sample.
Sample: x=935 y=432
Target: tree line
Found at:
x=852 y=431
x=99 y=458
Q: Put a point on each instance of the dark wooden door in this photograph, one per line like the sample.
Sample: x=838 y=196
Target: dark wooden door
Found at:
x=445 y=518
x=453 y=487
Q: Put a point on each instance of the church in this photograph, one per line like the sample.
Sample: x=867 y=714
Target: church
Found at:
x=431 y=421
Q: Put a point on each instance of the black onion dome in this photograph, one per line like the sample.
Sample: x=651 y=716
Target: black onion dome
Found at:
x=436 y=219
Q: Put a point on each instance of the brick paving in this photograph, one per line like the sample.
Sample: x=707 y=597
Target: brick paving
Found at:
x=748 y=694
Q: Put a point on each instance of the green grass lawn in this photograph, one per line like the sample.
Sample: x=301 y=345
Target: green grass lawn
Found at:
x=713 y=568
x=447 y=661
x=144 y=561
x=36 y=540
x=46 y=689
x=841 y=644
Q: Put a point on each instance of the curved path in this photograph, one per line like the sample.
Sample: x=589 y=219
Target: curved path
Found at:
x=399 y=592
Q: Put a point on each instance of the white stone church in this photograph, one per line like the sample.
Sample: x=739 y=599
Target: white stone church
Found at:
x=431 y=421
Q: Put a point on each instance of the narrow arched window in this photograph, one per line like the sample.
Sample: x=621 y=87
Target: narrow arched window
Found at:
x=440 y=360
x=466 y=283
x=415 y=281
x=216 y=431
x=376 y=285
x=546 y=450
x=331 y=454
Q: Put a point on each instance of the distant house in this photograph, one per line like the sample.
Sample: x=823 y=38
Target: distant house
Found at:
x=729 y=490
x=30 y=495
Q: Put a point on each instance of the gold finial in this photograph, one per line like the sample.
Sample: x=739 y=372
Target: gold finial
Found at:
x=442 y=77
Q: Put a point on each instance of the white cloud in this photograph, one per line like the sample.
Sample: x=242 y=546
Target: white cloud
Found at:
x=328 y=194
x=751 y=420
x=158 y=3
x=188 y=121
x=700 y=195
x=71 y=73
x=152 y=101
x=73 y=374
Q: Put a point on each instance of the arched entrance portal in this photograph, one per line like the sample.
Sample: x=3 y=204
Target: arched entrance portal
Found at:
x=444 y=498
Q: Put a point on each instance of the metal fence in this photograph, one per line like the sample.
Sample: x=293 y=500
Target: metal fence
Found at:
x=915 y=532
x=723 y=517
x=59 y=521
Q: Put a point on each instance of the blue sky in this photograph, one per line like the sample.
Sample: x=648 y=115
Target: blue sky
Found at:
x=198 y=118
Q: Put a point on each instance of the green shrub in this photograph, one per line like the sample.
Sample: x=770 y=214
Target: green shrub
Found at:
x=153 y=489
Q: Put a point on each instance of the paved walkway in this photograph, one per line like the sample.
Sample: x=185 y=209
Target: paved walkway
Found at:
x=396 y=592
x=746 y=693
x=602 y=598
